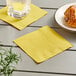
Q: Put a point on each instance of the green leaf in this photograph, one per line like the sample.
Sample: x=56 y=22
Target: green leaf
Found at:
x=7 y=58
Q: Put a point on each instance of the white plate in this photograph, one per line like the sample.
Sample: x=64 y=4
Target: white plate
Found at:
x=59 y=17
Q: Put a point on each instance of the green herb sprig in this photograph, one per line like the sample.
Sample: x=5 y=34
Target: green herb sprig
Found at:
x=7 y=59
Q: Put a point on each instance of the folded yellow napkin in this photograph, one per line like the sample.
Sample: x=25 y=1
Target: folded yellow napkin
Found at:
x=43 y=44
x=35 y=14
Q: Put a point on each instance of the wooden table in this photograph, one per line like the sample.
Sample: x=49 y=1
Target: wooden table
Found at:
x=63 y=64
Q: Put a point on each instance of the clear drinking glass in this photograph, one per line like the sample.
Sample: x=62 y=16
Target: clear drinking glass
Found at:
x=18 y=8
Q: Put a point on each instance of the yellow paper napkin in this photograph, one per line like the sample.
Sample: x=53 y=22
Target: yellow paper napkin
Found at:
x=43 y=44
x=35 y=14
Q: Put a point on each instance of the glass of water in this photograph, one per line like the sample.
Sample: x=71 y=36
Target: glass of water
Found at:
x=18 y=8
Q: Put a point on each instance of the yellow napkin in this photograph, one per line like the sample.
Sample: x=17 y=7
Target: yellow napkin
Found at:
x=35 y=14
x=43 y=44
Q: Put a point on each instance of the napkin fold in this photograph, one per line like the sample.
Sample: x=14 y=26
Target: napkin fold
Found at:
x=35 y=14
x=43 y=44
